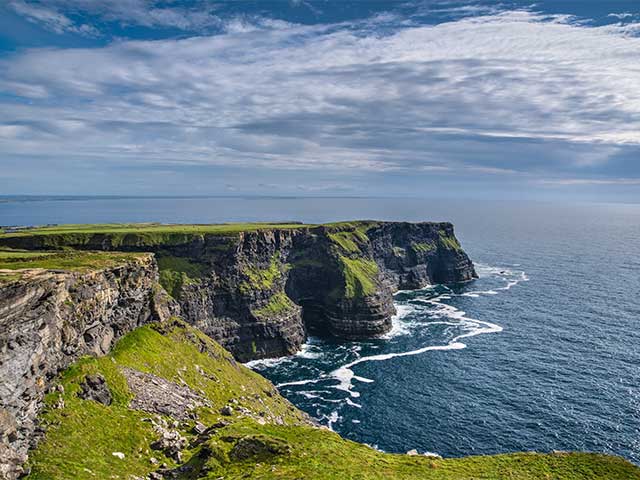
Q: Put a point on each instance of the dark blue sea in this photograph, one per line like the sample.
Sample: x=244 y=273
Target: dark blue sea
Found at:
x=542 y=352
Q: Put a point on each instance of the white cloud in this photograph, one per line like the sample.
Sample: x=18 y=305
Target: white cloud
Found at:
x=50 y=18
x=591 y=181
x=147 y=13
x=622 y=16
x=437 y=98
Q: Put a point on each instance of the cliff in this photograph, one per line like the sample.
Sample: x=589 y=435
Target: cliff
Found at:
x=258 y=289
x=50 y=318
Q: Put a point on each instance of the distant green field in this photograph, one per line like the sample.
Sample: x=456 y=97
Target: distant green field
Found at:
x=138 y=228
x=127 y=235
x=20 y=254
x=67 y=260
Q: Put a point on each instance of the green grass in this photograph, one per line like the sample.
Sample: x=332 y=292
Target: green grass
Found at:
x=350 y=236
x=324 y=455
x=21 y=254
x=349 y=241
x=176 y=272
x=359 y=275
x=257 y=278
x=423 y=247
x=448 y=241
x=133 y=235
x=278 y=304
x=68 y=260
x=218 y=228
x=362 y=225
x=82 y=435
x=6 y=277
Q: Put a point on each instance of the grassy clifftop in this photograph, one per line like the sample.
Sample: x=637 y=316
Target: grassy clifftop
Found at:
x=239 y=427
x=13 y=262
x=117 y=236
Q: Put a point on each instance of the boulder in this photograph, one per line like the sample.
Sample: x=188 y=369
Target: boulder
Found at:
x=94 y=387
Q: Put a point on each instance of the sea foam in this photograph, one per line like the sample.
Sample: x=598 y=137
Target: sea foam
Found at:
x=411 y=314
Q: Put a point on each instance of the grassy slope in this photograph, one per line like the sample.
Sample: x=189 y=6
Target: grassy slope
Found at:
x=176 y=272
x=349 y=239
x=320 y=454
x=82 y=436
x=278 y=304
x=260 y=278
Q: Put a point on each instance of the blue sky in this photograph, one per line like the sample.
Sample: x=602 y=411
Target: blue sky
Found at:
x=431 y=98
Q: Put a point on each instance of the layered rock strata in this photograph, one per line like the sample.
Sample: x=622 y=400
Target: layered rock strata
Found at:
x=260 y=292
x=49 y=319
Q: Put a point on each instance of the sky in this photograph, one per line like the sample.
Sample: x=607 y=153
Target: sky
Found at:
x=444 y=98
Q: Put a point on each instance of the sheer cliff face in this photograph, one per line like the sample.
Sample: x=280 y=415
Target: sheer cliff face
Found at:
x=260 y=292
x=413 y=255
x=48 y=320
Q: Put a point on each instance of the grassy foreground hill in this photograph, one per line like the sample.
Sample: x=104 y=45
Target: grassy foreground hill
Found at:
x=232 y=424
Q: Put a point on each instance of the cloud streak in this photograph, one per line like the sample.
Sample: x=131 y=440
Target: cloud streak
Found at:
x=501 y=94
x=51 y=18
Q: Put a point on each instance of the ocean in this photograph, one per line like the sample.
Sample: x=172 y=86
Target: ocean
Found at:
x=542 y=352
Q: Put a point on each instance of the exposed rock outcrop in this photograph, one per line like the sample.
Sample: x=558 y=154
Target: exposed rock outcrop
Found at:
x=95 y=388
x=154 y=394
x=48 y=320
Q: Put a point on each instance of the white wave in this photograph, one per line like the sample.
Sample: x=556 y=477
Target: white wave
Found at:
x=484 y=270
x=332 y=418
x=512 y=278
x=345 y=374
x=431 y=454
x=267 y=362
x=513 y=283
x=310 y=351
x=400 y=327
x=309 y=395
x=299 y=382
